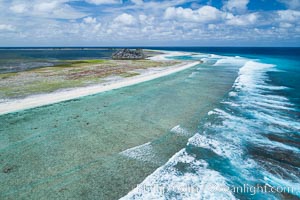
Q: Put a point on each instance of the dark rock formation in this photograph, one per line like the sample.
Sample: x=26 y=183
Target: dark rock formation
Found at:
x=8 y=169
x=128 y=54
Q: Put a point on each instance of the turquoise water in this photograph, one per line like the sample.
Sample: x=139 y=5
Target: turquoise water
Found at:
x=81 y=148
x=231 y=122
x=248 y=145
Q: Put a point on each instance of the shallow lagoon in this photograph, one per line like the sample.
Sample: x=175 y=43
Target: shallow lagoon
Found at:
x=73 y=149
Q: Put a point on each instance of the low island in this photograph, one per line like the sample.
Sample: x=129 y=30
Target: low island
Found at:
x=76 y=78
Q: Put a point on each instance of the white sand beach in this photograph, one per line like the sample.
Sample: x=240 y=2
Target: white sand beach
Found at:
x=64 y=95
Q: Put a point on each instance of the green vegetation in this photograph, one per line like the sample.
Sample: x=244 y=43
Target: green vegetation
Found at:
x=74 y=63
x=72 y=73
x=129 y=74
x=90 y=61
x=7 y=75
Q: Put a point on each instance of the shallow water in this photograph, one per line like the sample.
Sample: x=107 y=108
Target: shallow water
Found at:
x=102 y=146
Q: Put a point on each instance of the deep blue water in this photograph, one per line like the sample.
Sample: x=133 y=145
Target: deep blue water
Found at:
x=248 y=147
x=20 y=59
x=257 y=124
x=252 y=51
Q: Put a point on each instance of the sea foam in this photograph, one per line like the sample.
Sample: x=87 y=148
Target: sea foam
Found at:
x=251 y=111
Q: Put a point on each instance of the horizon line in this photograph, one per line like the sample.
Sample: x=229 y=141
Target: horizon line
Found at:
x=149 y=46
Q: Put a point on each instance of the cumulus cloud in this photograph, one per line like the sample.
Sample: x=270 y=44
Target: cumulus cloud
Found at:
x=243 y=20
x=142 y=21
x=236 y=6
x=288 y=15
x=90 y=20
x=59 y=9
x=203 y=14
x=125 y=19
x=142 y=18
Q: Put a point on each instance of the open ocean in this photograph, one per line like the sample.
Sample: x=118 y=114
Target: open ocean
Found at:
x=225 y=129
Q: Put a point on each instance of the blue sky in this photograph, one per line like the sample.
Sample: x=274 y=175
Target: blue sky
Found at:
x=149 y=23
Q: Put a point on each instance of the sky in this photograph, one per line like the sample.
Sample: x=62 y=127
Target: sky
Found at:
x=149 y=23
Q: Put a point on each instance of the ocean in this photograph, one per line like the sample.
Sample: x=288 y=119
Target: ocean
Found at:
x=225 y=129
x=248 y=146
x=21 y=59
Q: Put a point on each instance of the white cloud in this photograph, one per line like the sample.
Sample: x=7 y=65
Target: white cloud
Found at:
x=148 y=6
x=18 y=8
x=288 y=15
x=59 y=9
x=142 y=22
x=142 y=18
x=146 y=20
x=203 y=14
x=285 y=25
x=292 y=4
x=97 y=27
x=125 y=19
x=236 y=6
x=243 y=20
x=6 y=27
x=90 y=20
x=99 y=2
x=211 y=26
x=46 y=6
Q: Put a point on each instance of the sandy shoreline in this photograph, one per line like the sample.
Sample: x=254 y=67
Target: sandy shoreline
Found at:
x=55 y=97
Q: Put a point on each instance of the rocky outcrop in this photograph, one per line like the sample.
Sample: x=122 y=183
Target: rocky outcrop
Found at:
x=128 y=54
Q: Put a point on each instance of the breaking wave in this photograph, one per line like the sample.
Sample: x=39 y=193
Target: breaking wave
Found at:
x=251 y=138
